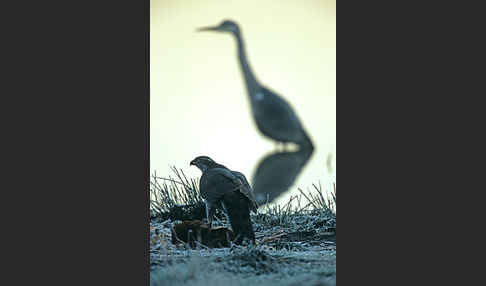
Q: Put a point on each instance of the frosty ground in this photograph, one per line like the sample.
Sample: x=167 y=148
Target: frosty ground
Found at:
x=300 y=250
x=294 y=245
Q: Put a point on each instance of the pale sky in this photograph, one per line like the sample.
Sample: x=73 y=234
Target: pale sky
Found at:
x=199 y=104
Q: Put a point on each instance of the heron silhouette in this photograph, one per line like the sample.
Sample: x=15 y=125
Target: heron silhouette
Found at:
x=273 y=115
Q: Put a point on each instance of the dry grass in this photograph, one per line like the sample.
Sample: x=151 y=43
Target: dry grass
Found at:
x=167 y=192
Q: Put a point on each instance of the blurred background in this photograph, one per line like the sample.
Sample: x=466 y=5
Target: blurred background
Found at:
x=199 y=104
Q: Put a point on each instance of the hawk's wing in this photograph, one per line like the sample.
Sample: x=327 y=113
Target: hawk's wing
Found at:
x=247 y=190
x=216 y=182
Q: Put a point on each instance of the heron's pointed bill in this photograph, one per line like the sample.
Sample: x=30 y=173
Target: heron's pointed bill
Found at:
x=211 y=28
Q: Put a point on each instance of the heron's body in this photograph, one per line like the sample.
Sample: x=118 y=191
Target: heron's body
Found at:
x=275 y=118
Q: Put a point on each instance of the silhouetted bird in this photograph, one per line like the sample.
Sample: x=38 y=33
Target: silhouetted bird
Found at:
x=273 y=115
x=221 y=187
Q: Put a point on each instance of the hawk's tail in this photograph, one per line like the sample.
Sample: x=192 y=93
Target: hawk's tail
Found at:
x=236 y=205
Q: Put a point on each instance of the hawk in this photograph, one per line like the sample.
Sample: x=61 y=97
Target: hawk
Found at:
x=223 y=188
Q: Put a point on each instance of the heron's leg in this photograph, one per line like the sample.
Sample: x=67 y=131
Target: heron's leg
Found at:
x=284 y=147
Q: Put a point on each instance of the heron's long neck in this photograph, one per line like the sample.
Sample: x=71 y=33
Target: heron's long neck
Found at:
x=250 y=80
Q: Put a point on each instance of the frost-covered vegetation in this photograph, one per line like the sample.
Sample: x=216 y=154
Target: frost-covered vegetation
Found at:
x=295 y=243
